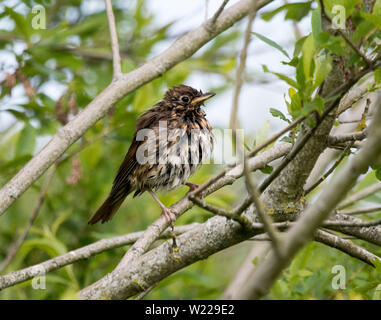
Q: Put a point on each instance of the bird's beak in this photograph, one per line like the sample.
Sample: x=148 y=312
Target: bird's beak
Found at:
x=204 y=97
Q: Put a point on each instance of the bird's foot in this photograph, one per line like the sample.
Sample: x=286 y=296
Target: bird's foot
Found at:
x=170 y=216
x=194 y=186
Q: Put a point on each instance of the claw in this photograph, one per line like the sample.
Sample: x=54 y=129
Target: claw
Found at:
x=170 y=216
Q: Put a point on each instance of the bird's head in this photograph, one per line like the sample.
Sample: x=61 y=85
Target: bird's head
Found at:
x=186 y=97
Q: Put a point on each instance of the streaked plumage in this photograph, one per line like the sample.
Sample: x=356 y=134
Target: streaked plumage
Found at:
x=179 y=139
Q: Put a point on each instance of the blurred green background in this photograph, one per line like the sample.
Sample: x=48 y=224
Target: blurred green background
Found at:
x=73 y=57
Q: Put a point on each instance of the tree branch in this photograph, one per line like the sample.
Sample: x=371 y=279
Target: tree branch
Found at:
x=329 y=171
x=240 y=72
x=81 y=254
x=117 y=74
x=360 y=211
x=346 y=246
x=345 y=137
x=366 y=192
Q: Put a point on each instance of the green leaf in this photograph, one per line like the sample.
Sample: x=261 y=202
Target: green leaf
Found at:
x=377 y=75
x=363 y=29
x=305 y=273
x=308 y=51
x=262 y=133
x=271 y=43
x=294 y=11
x=19 y=115
x=378 y=173
x=322 y=68
x=316 y=23
x=267 y=169
x=315 y=105
x=298 y=46
x=143 y=97
x=376 y=20
x=281 y=76
x=21 y=22
x=300 y=77
x=295 y=107
x=14 y=164
x=287 y=139
x=334 y=44
x=377 y=293
x=278 y=114
x=26 y=141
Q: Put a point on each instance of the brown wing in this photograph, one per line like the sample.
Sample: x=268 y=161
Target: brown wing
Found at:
x=147 y=120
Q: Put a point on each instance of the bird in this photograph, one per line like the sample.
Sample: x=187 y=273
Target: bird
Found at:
x=171 y=141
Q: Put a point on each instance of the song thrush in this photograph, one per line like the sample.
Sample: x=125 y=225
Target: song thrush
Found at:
x=170 y=143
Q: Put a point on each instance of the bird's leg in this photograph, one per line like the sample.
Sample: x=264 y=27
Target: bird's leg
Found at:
x=169 y=214
x=194 y=186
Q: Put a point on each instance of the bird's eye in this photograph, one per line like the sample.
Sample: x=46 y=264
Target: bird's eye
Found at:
x=184 y=99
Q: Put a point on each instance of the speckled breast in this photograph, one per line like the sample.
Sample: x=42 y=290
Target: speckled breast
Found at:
x=176 y=155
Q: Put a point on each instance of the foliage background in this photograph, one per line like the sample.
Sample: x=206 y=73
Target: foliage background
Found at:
x=73 y=57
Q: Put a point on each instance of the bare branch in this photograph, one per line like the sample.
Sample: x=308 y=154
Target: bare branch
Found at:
x=117 y=75
x=345 y=137
x=346 y=246
x=81 y=254
x=263 y=216
x=355 y=224
x=366 y=192
x=240 y=72
x=329 y=171
x=360 y=211
x=140 y=296
x=371 y=234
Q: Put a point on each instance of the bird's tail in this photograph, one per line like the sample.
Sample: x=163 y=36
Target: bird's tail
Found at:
x=108 y=209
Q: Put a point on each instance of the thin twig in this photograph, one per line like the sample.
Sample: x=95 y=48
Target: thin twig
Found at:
x=363 y=193
x=240 y=72
x=209 y=25
x=141 y=295
x=252 y=189
x=221 y=211
x=329 y=171
x=117 y=70
x=360 y=211
x=345 y=245
x=14 y=248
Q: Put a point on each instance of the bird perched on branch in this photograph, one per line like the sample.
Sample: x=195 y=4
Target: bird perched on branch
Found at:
x=170 y=143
